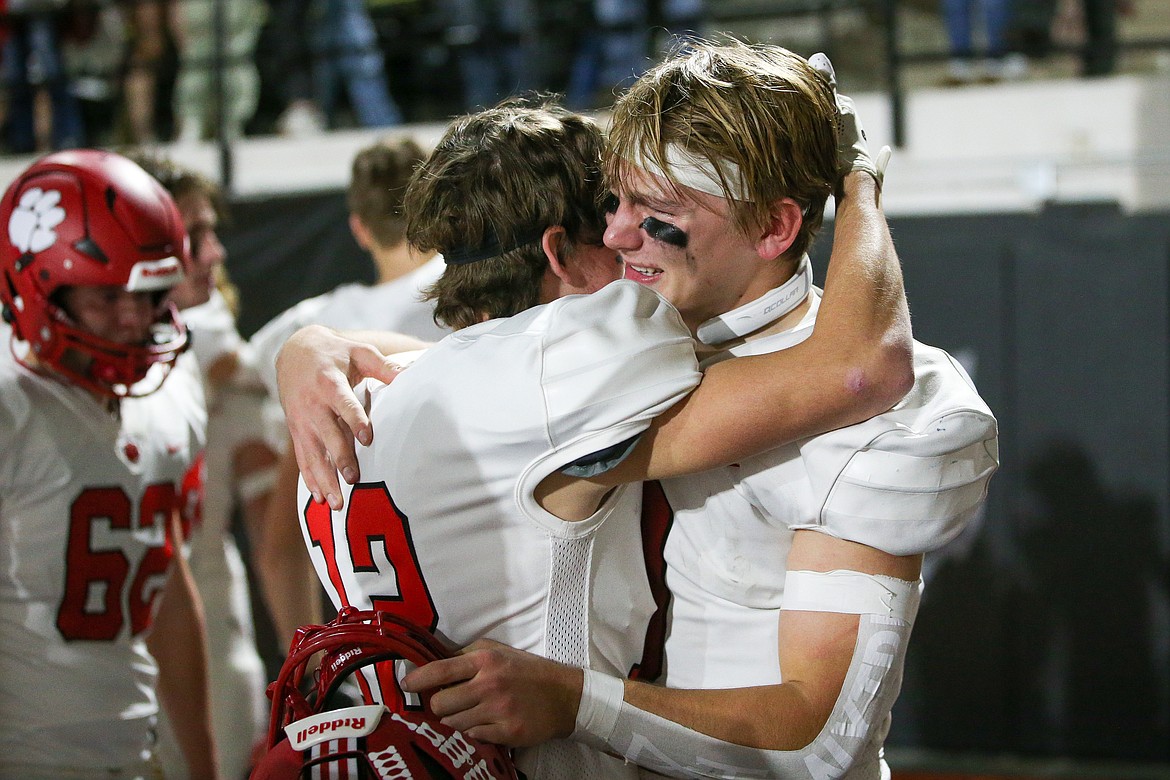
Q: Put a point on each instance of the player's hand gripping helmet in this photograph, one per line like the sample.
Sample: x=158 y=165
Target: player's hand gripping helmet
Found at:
x=88 y=217
x=367 y=742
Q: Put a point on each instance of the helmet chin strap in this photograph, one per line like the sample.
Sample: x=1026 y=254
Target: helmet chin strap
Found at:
x=763 y=311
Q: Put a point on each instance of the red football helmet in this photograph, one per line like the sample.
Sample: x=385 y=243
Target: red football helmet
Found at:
x=88 y=217
x=307 y=741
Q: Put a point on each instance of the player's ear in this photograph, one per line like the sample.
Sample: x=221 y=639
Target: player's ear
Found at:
x=361 y=233
x=781 y=231
x=554 y=243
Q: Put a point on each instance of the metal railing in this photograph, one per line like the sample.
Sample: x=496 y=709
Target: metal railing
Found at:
x=720 y=15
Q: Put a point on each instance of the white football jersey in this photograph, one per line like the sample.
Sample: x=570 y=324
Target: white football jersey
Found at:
x=396 y=306
x=905 y=482
x=444 y=528
x=85 y=502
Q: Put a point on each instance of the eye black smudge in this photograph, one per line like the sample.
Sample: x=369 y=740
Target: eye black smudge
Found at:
x=664 y=232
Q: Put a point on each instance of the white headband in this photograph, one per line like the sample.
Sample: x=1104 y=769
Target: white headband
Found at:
x=695 y=172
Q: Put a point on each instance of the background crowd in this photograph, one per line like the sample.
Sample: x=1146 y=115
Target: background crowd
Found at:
x=114 y=72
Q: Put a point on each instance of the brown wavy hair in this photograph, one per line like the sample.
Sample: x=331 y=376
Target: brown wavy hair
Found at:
x=500 y=177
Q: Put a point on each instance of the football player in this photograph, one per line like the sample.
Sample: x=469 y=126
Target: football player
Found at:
x=244 y=434
x=723 y=158
x=794 y=575
x=101 y=419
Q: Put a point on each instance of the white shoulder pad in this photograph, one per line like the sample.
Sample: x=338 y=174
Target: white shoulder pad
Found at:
x=612 y=361
x=907 y=481
x=267 y=341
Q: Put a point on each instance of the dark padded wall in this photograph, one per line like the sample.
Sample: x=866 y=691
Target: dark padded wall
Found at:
x=284 y=249
x=1045 y=631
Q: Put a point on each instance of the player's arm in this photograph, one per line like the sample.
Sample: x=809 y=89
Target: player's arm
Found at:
x=285 y=572
x=857 y=363
x=495 y=693
x=316 y=370
x=178 y=641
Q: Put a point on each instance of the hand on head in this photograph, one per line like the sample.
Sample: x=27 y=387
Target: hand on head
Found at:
x=852 y=146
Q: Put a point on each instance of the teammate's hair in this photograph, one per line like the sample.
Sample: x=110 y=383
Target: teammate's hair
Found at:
x=377 y=184
x=760 y=107
x=498 y=178
x=181 y=182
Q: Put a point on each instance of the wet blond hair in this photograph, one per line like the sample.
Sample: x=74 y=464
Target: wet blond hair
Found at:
x=761 y=108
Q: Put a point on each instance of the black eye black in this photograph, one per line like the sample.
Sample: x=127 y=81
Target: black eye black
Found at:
x=609 y=204
x=664 y=232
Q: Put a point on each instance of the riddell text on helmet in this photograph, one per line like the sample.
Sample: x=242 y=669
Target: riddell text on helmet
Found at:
x=335 y=724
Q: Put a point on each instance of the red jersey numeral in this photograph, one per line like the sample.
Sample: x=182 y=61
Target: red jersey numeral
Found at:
x=378 y=540
x=102 y=574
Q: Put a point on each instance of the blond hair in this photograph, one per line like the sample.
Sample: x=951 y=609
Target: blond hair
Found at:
x=760 y=116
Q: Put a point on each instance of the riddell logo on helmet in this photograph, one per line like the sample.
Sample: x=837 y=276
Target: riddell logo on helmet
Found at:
x=149 y=275
x=351 y=722
x=337 y=662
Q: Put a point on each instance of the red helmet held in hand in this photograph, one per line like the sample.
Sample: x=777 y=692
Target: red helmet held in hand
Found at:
x=305 y=740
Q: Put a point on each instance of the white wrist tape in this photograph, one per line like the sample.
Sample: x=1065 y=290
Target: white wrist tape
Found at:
x=849 y=744
x=601 y=702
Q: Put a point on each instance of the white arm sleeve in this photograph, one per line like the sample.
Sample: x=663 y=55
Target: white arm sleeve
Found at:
x=266 y=342
x=853 y=734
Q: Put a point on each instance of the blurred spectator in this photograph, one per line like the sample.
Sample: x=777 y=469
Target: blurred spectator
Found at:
x=154 y=34
x=195 y=106
x=33 y=61
x=613 y=51
x=346 y=53
x=328 y=44
x=93 y=52
x=1092 y=24
x=494 y=42
x=959 y=16
x=617 y=44
x=291 y=62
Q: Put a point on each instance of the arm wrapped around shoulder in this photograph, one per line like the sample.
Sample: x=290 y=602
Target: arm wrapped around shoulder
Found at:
x=908 y=481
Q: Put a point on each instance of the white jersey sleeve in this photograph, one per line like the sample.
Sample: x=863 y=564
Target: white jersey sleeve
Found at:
x=395 y=306
x=609 y=370
x=907 y=481
x=267 y=341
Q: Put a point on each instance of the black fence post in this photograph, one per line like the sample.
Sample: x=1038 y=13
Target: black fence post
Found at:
x=894 y=74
